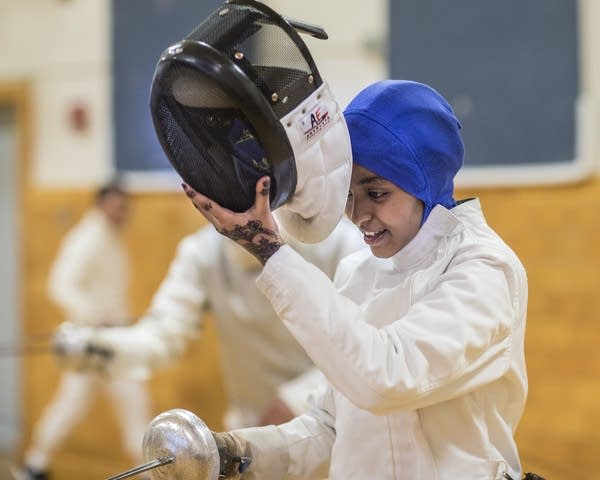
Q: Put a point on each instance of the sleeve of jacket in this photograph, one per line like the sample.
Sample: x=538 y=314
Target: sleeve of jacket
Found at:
x=175 y=316
x=298 y=449
x=447 y=344
x=326 y=255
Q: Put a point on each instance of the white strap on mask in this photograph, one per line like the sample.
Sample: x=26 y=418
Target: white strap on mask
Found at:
x=319 y=138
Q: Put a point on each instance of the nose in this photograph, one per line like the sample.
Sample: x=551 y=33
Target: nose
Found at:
x=357 y=212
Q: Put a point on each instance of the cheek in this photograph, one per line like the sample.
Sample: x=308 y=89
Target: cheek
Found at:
x=406 y=219
x=418 y=211
x=414 y=221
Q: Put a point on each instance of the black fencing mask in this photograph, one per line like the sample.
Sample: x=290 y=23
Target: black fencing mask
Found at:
x=226 y=102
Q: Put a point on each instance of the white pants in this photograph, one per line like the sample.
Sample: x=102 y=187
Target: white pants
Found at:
x=71 y=404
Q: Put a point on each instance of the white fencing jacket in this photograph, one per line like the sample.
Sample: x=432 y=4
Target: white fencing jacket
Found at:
x=259 y=357
x=423 y=351
x=90 y=275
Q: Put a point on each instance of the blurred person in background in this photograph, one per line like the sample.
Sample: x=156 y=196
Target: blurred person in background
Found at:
x=89 y=281
x=267 y=374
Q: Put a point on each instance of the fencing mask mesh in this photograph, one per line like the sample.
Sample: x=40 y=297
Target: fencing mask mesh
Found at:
x=219 y=99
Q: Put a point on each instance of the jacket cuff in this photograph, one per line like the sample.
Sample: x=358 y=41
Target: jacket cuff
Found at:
x=272 y=280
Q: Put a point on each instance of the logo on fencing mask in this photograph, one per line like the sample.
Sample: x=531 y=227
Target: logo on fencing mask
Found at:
x=315 y=121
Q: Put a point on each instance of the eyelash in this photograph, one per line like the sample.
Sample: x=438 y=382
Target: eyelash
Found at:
x=374 y=195
x=377 y=195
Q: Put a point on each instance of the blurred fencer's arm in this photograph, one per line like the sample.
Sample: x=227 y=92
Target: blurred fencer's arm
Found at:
x=173 y=319
x=295 y=393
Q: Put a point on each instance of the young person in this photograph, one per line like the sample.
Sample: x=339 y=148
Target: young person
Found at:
x=89 y=281
x=421 y=339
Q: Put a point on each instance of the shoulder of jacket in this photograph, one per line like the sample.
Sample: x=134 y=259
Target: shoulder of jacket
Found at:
x=87 y=230
x=482 y=242
x=203 y=243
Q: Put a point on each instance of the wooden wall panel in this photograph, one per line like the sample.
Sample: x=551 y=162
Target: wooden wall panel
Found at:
x=158 y=222
x=555 y=231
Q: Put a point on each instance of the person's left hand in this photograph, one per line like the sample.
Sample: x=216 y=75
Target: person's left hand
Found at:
x=74 y=348
x=255 y=229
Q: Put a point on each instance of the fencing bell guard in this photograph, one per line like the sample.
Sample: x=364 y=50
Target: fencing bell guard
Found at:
x=178 y=445
x=241 y=97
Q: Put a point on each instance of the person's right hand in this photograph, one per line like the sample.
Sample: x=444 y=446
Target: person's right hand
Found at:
x=75 y=350
x=232 y=462
x=255 y=229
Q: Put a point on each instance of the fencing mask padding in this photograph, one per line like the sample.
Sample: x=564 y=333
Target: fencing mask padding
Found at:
x=241 y=97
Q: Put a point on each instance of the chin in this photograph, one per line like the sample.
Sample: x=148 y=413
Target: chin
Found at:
x=380 y=253
x=385 y=251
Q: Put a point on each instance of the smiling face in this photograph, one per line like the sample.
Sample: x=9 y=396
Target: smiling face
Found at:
x=387 y=216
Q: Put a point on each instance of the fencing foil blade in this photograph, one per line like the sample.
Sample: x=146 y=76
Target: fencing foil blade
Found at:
x=157 y=462
x=30 y=345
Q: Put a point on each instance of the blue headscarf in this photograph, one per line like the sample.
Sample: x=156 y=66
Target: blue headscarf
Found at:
x=408 y=134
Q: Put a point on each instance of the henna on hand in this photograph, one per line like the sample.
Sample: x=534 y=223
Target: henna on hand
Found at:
x=258 y=240
x=188 y=191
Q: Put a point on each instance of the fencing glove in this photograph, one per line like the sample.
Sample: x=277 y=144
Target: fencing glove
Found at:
x=73 y=347
x=232 y=463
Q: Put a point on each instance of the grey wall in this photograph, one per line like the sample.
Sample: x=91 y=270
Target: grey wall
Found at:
x=142 y=30
x=9 y=280
x=509 y=68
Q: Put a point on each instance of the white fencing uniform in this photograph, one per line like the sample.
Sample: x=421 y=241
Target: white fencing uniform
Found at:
x=260 y=360
x=423 y=351
x=89 y=281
